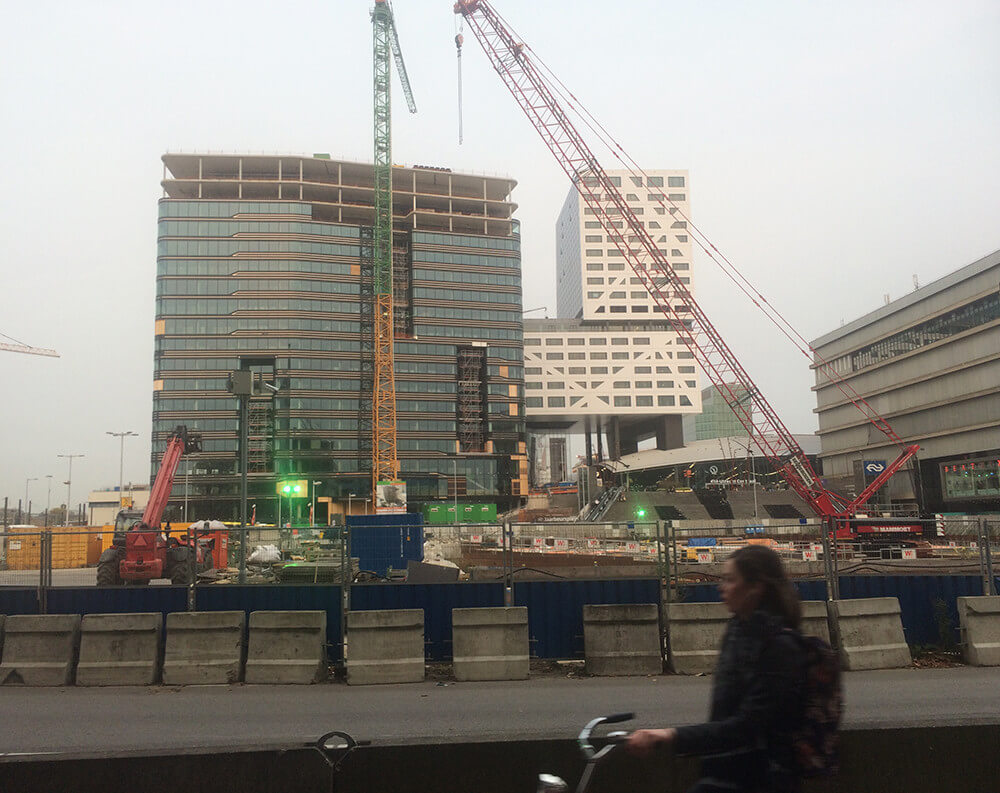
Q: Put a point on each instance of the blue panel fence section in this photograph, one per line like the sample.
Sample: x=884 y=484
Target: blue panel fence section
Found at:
x=18 y=600
x=555 y=609
x=281 y=597
x=118 y=600
x=437 y=601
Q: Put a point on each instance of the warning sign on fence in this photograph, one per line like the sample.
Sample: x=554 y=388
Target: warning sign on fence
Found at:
x=593 y=543
x=909 y=553
x=704 y=557
x=561 y=545
x=476 y=538
x=809 y=556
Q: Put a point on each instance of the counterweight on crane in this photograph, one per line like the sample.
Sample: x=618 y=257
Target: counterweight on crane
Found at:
x=538 y=99
x=385 y=464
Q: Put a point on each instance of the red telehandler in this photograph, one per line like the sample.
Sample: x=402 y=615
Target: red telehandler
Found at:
x=140 y=551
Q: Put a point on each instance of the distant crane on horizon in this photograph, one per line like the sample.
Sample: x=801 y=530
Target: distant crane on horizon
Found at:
x=27 y=349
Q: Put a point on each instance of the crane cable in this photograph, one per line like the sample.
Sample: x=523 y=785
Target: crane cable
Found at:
x=459 y=40
x=704 y=243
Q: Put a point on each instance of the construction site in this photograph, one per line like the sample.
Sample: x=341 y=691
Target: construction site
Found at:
x=368 y=467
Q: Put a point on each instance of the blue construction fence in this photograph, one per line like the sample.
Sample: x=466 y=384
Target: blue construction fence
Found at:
x=555 y=608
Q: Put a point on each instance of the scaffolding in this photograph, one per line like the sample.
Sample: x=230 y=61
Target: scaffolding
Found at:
x=366 y=384
x=471 y=401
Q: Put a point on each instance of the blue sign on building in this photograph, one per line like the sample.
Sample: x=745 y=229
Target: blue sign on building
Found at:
x=874 y=467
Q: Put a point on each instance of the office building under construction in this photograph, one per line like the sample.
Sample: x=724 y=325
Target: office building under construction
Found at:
x=265 y=263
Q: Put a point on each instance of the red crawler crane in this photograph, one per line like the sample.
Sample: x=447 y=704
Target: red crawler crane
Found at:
x=537 y=97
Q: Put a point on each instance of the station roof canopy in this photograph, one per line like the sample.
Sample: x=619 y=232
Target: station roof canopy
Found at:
x=714 y=449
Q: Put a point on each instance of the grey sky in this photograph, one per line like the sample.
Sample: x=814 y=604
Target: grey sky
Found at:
x=835 y=148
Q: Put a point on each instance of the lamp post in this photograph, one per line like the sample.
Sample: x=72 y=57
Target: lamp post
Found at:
x=121 y=462
x=350 y=496
x=69 y=482
x=48 y=498
x=312 y=509
x=454 y=486
x=26 y=502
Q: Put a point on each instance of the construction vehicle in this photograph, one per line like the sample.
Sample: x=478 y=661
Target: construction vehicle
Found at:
x=141 y=550
x=549 y=104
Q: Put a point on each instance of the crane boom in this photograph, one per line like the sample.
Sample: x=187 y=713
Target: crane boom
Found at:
x=607 y=205
x=24 y=348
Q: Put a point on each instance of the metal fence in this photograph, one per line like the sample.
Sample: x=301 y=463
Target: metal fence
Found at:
x=678 y=553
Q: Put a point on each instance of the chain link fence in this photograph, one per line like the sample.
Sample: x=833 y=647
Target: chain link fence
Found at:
x=211 y=555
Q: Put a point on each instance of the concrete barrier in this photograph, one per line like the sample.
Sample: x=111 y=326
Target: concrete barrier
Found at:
x=286 y=647
x=385 y=646
x=979 y=622
x=490 y=643
x=40 y=650
x=203 y=647
x=870 y=633
x=120 y=650
x=695 y=631
x=622 y=639
x=814 y=620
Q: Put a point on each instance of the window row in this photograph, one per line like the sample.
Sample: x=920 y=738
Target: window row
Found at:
x=171 y=306
x=465 y=277
x=481 y=314
x=971 y=315
x=229 y=267
x=227 y=209
x=227 y=228
x=465 y=241
x=209 y=327
x=452 y=331
x=227 y=286
x=234 y=246
x=468 y=295
x=470 y=259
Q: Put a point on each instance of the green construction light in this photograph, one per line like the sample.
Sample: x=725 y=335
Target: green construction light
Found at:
x=286 y=489
x=640 y=513
x=297 y=489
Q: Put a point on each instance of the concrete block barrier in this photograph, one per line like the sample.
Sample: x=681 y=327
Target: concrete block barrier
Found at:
x=204 y=647
x=286 y=647
x=385 y=646
x=979 y=622
x=871 y=633
x=120 y=650
x=622 y=639
x=490 y=643
x=695 y=631
x=814 y=620
x=40 y=650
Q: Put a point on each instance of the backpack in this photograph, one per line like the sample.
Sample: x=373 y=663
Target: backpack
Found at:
x=815 y=740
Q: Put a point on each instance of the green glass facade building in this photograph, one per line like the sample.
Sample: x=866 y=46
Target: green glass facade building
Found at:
x=263 y=264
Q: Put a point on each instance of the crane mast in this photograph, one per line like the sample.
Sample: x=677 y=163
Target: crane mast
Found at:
x=385 y=463
x=694 y=330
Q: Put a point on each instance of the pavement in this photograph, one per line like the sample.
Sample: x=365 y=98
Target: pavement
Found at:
x=44 y=720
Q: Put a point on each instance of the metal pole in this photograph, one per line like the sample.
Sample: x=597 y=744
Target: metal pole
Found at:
x=454 y=485
x=987 y=526
x=48 y=498
x=69 y=484
x=27 y=503
x=244 y=456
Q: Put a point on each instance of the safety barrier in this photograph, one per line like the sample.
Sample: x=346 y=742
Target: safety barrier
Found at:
x=870 y=633
x=979 y=619
x=695 y=631
x=119 y=650
x=40 y=650
x=385 y=646
x=490 y=643
x=204 y=647
x=286 y=647
x=622 y=639
x=815 y=620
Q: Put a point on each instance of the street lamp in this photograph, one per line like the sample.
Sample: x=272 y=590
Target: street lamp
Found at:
x=350 y=496
x=121 y=461
x=26 y=481
x=48 y=498
x=69 y=482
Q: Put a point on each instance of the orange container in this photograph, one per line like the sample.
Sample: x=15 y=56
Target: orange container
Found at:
x=23 y=550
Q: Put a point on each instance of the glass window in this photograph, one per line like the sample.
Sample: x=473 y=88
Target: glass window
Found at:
x=577 y=356
x=623 y=401
x=644 y=401
x=593 y=238
x=598 y=356
x=533 y=402
x=655 y=181
x=675 y=181
x=557 y=402
x=595 y=281
x=553 y=356
x=677 y=197
x=575 y=341
x=598 y=369
x=556 y=385
x=664 y=400
x=594 y=267
x=621 y=384
x=554 y=342
x=618 y=309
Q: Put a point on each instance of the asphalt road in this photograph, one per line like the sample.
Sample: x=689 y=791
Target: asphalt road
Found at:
x=122 y=719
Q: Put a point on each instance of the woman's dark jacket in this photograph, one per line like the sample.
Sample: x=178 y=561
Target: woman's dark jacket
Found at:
x=756 y=705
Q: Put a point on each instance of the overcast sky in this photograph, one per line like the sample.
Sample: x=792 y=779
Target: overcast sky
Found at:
x=836 y=150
